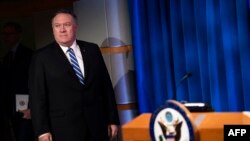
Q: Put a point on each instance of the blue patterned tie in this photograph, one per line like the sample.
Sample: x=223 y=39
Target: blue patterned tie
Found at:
x=75 y=65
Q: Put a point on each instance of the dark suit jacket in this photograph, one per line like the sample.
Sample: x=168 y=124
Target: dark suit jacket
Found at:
x=5 y=130
x=60 y=104
x=15 y=81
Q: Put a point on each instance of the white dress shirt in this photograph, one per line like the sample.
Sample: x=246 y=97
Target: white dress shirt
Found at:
x=78 y=54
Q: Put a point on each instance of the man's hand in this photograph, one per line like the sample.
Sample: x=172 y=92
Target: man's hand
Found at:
x=26 y=113
x=112 y=130
x=45 y=137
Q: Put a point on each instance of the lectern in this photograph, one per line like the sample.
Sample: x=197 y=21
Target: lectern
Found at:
x=198 y=126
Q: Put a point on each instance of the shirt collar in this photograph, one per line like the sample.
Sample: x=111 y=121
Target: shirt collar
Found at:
x=73 y=46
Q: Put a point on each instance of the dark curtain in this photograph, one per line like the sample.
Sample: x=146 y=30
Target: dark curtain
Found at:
x=191 y=50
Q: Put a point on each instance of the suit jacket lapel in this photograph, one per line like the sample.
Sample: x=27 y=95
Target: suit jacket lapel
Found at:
x=64 y=60
x=85 y=61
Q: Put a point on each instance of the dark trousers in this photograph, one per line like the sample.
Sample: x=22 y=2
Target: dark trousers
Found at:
x=23 y=130
x=6 y=132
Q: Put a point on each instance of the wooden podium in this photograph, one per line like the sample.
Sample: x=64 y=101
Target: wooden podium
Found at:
x=209 y=125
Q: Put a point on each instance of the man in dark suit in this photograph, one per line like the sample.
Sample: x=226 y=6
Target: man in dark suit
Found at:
x=63 y=106
x=15 y=82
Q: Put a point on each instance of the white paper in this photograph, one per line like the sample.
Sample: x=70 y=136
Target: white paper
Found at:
x=22 y=101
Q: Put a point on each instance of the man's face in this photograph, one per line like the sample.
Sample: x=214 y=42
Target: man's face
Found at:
x=10 y=36
x=64 y=29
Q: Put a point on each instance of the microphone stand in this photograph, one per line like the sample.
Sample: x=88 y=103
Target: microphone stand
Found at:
x=186 y=76
x=193 y=106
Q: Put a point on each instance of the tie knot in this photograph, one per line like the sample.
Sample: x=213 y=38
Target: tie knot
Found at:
x=70 y=50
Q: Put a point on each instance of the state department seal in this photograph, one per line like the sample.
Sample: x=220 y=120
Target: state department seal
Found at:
x=171 y=122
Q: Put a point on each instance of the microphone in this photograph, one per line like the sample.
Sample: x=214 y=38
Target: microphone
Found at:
x=186 y=76
x=193 y=106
